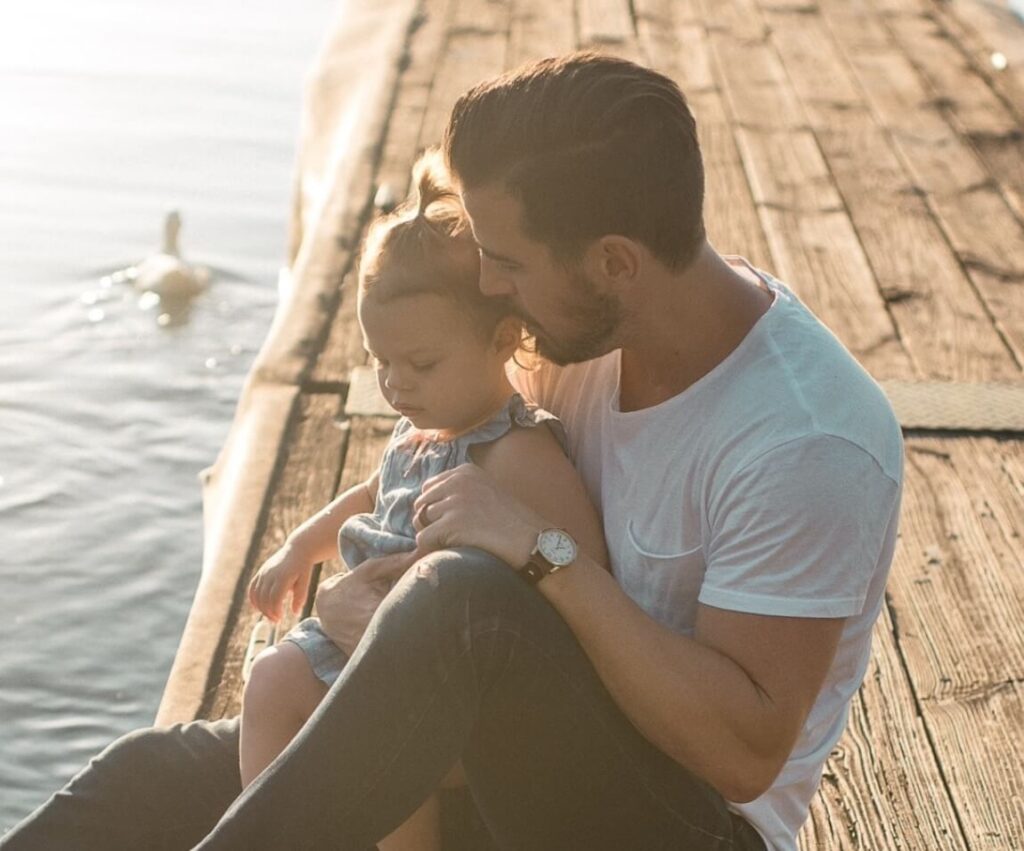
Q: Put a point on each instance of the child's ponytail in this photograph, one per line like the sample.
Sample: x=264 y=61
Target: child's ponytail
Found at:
x=426 y=246
x=432 y=185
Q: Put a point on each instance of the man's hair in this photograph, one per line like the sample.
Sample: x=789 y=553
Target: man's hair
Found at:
x=425 y=247
x=590 y=145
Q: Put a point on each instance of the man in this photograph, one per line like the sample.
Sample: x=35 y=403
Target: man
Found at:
x=749 y=475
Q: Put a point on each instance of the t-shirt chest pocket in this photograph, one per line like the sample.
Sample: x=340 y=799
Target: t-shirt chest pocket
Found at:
x=662 y=570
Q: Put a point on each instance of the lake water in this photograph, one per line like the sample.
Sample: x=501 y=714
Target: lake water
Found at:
x=113 y=112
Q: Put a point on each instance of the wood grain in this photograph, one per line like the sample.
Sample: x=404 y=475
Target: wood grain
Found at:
x=957 y=595
x=475 y=50
x=975 y=217
x=882 y=787
x=675 y=43
x=944 y=326
x=306 y=480
x=540 y=28
x=812 y=238
x=605 y=22
x=343 y=349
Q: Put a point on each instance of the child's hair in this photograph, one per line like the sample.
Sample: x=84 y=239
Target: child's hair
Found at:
x=426 y=247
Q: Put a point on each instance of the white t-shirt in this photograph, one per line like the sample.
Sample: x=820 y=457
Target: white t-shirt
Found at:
x=771 y=486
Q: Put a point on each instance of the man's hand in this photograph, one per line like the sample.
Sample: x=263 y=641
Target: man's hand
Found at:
x=346 y=602
x=464 y=507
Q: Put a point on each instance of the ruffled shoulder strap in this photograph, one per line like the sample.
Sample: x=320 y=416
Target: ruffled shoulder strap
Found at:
x=517 y=411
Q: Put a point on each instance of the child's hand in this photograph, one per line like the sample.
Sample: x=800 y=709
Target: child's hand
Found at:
x=286 y=572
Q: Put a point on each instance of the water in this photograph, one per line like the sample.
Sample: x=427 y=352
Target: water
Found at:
x=111 y=113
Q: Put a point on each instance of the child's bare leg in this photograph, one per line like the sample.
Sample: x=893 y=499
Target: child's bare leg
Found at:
x=281 y=694
x=420 y=832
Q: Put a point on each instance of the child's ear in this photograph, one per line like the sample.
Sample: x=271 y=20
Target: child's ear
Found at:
x=508 y=334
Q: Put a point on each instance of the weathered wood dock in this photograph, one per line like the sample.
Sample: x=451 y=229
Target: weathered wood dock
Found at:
x=869 y=153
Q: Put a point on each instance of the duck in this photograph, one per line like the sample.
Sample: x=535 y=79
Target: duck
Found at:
x=165 y=273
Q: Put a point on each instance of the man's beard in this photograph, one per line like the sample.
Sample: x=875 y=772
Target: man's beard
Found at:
x=597 y=316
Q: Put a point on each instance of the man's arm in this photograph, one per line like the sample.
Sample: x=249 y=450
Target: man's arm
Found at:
x=529 y=465
x=727 y=704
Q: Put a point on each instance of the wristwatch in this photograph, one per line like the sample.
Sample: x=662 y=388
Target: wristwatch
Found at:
x=555 y=549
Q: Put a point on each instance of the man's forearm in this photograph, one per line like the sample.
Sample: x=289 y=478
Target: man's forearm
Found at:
x=692 y=702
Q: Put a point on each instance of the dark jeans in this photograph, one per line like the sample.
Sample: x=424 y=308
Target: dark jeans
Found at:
x=462 y=660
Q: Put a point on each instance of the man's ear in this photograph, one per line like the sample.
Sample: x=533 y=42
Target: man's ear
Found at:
x=507 y=336
x=615 y=259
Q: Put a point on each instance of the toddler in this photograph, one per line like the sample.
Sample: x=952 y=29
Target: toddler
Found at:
x=440 y=348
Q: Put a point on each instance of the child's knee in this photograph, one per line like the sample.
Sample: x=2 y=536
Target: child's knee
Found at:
x=281 y=677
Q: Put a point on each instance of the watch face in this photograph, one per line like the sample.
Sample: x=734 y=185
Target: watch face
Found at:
x=557 y=547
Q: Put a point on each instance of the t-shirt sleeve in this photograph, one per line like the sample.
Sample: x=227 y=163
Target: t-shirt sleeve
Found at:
x=799 y=531
x=536 y=384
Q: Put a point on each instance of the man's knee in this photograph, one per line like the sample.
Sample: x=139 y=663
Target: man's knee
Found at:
x=169 y=755
x=135 y=754
x=455 y=575
x=449 y=585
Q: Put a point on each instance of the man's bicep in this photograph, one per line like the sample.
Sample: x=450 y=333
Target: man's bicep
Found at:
x=786 y=658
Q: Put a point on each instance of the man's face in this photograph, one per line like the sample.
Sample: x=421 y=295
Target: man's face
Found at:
x=572 y=318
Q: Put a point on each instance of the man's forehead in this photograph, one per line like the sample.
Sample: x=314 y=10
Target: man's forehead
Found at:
x=495 y=217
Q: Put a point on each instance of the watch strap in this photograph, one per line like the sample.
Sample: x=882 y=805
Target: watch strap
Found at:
x=533 y=572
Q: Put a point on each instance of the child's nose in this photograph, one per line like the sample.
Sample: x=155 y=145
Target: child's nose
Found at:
x=397 y=380
x=493 y=282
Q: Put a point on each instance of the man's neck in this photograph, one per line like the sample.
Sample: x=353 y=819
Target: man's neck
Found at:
x=683 y=325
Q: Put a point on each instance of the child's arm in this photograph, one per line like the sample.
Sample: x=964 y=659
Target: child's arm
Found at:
x=288 y=570
x=529 y=465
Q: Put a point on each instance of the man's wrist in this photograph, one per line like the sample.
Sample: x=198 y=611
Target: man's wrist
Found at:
x=554 y=549
x=525 y=544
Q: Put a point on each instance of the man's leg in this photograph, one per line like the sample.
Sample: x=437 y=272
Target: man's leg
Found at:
x=464 y=660
x=154 y=789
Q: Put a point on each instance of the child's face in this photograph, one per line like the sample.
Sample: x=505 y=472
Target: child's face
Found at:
x=433 y=364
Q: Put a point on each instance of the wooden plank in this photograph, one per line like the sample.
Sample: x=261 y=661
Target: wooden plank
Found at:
x=881 y=787
x=307 y=479
x=963 y=88
x=981 y=30
x=960 y=589
x=415 y=86
x=809 y=230
x=368 y=439
x=675 y=43
x=979 y=738
x=942 y=323
x=475 y=50
x=442 y=54
x=343 y=349
x=605 y=22
x=978 y=223
x=540 y=28
x=235 y=493
x=347 y=106
x=957 y=596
